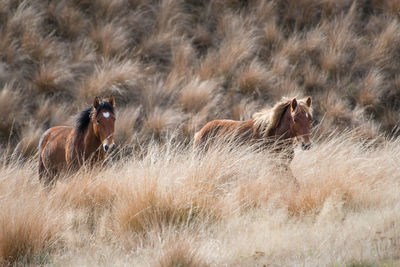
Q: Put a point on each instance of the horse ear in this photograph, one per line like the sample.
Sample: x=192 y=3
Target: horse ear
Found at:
x=309 y=101
x=96 y=102
x=111 y=100
x=293 y=104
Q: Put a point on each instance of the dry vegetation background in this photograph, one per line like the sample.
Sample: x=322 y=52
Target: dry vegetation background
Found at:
x=173 y=65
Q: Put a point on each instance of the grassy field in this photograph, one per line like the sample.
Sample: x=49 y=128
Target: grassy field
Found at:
x=174 y=206
x=173 y=65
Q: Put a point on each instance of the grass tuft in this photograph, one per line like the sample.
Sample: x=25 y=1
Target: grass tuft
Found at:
x=197 y=94
x=110 y=40
x=108 y=78
x=179 y=253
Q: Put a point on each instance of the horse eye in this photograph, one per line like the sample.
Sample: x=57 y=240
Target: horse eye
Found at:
x=97 y=121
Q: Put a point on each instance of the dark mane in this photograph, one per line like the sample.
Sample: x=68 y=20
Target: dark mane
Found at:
x=83 y=119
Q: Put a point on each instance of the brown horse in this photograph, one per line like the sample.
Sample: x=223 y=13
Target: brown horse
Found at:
x=68 y=147
x=279 y=125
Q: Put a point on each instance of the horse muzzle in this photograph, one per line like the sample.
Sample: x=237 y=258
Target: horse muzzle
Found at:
x=306 y=146
x=108 y=148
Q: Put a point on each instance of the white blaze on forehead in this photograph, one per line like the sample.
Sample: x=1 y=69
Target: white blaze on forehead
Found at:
x=307 y=115
x=106 y=114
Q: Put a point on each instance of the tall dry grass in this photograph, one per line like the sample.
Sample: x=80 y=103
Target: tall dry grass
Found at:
x=173 y=66
x=230 y=205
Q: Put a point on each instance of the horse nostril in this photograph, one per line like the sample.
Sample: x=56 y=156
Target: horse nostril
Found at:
x=112 y=147
x=105 y=147
x=305 y=146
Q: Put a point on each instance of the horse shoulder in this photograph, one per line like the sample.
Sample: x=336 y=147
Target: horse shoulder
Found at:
x=74 y=148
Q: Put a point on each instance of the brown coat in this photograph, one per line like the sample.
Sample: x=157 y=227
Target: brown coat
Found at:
x=272 y=129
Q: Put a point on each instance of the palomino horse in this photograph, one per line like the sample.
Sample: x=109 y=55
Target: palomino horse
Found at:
x=67 y=147
x=279 y=125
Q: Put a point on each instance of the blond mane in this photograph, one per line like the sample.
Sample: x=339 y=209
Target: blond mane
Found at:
x=268 y=119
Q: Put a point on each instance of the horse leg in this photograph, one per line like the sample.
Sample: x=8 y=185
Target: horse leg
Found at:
x=46 y=175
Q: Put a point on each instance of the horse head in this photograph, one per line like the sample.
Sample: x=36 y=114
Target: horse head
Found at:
x=103 y=117
x=301 y=121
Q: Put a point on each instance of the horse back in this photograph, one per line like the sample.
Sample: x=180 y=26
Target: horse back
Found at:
x=241 y=131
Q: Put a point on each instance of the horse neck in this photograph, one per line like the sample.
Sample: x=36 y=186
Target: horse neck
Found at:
x=91 y=142
x=283 y=130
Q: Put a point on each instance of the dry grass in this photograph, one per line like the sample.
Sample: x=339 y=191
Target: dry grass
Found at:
x=30 y=225
x=69 y=21
x=175 y=206
x=28 y=145
x=164 y=55
x=160 y=121
x=109 y=77
x=9 y=103
x=127 y=121
x=179 y=252
x=197 y=94
x=110 y=40
x=173 y=66
x=253 y=79
x=54 y=80
x=28 y=231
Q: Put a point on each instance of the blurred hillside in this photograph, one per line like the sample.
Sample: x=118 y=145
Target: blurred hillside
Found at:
x=176 y=64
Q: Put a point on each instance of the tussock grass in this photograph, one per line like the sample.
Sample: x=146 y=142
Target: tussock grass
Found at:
x=30 y=225
x=9 y=103
x=108 y=78
x=197 y=94
x=150 y=206
x=158 y=55
x=54 y=79
x=160 y=121
x=28 y=231
x=128 y=120
x=179 y=252
x=28 y=145
x=173 y=66
x=69 y=21
x=253 y=79
x=110 y=40
x=228 y=205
